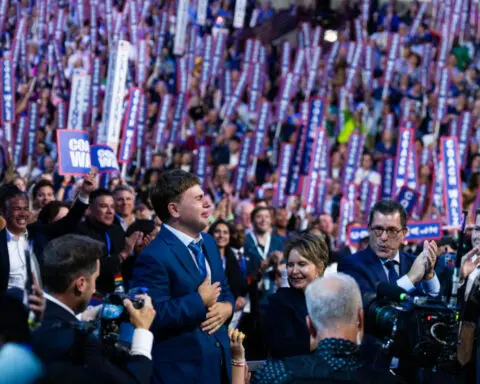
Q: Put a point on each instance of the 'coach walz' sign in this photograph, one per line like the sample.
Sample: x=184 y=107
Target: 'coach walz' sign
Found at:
x=73 y=152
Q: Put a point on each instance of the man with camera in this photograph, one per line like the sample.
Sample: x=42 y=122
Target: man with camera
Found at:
x=71 y=267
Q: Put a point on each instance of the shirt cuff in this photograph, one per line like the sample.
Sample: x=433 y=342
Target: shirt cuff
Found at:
x=405 y=283
x=83 y=199
x=142 y=343
x=432 y=286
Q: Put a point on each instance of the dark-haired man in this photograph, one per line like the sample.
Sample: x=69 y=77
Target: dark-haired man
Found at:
x=70 y=271
x=100 y=225
x=184 y=274
x=384 y=261
x=43 y=192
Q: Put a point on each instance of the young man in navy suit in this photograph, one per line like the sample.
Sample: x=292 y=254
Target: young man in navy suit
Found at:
x=184 y=274
x=383 y=261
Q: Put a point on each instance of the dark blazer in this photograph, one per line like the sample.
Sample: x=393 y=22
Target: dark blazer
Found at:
x=238 y=285
x=182 y=353
x=40 y=234
x=367 y=269
x=109 y=261
x=286 y=332
x=54 y=340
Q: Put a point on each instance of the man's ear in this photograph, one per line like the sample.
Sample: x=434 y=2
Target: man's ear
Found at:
x=172 y=210
x=311 y=328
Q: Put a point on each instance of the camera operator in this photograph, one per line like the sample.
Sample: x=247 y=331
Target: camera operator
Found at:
x=71 y=267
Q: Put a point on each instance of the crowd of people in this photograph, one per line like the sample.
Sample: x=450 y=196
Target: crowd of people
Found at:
x=303 y=143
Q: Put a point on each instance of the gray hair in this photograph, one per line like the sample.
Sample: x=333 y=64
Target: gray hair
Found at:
x=333 y=300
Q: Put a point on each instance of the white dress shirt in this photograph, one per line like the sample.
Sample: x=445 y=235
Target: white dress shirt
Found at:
x=369 y=175
x=431 y=287
x=142 y=340
x=17 y=245
x=186 y=240
x=471 y=280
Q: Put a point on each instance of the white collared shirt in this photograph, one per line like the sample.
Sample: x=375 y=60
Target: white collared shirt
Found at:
x=142 y=340
x=431 y=287
x=16 y=246
x=471 y=280
x=186 y=240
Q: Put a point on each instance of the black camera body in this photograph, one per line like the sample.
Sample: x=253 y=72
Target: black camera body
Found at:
x=114 y=315
x=418 y=329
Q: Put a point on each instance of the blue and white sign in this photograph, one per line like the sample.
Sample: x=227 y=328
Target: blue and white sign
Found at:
x=73 y=152
x=452 y=183
x=104 y=159
x=401 y=163
x=417 y=231
x=408 y=199
x=387 y=177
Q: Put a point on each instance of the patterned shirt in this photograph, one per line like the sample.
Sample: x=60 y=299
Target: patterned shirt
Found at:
x=335 y=354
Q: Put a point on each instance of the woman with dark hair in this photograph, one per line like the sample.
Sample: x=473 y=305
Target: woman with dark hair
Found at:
x=286 y=332
x=221 y=231
x=53 y=211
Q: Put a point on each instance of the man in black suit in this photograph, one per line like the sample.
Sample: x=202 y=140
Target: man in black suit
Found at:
x=19 y=236
x=71 y=267
x=384 y=261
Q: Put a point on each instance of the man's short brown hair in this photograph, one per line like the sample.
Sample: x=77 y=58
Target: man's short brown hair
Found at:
x=169 y=188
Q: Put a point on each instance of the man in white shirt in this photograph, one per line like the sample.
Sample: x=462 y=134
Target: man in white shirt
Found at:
x=71 y=267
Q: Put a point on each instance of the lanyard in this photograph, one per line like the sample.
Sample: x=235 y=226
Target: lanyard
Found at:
x=263 y=252
x=109 y=243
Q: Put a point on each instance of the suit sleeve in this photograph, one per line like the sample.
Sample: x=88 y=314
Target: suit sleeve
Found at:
x=348 y=266
x=176 y=314
x=66 y=225
x=138 y=369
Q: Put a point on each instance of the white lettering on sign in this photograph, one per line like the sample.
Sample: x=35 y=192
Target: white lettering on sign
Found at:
x=107 y=159
x=79 y=151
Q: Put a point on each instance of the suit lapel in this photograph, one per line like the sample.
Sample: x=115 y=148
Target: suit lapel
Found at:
x=181 y=252
x=4 y=260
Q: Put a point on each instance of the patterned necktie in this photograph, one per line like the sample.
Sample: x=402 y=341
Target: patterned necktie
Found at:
x=196 y=248
x=392 y=273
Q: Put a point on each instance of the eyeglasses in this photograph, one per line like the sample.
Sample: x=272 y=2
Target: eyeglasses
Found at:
x=391 y=232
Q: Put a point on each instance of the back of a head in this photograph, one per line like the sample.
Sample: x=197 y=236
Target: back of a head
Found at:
x=68 y=257
x=169 y=188
x=333 y=300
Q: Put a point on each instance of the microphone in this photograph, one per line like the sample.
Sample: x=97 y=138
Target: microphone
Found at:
x=392 y=292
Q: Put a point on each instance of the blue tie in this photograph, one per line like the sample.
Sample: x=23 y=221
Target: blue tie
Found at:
x=392 y=273
x=196 y=248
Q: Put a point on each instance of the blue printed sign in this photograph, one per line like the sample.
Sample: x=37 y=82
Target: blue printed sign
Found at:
x=417 y=231
x=73 y=152
x=408 y=199
x=104 y=159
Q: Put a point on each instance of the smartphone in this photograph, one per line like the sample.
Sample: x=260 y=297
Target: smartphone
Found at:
x=255 y=365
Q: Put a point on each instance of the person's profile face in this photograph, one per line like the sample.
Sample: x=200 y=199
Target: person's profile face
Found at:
x=89 y=289
x=193 y=209
x=386 y=234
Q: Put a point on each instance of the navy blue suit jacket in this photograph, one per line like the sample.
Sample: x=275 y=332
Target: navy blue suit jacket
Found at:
x=55 y=343
x=182 y=353
x=367 y=269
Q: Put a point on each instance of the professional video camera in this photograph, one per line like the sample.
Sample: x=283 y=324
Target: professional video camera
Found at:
x=416 y=328
x=115 y=326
